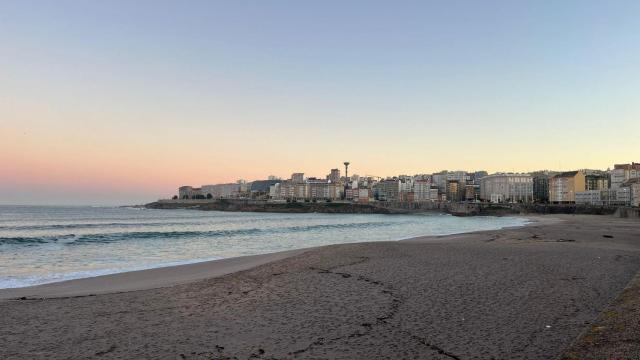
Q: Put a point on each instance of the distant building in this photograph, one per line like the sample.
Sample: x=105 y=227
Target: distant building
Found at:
x=423 y=191
x=189 y=192
x=563 y=187
x=634 y=189
x=507 y=187
x=364 y=195
x=632 y=166
x=622 y=196
x=596 y=181
x=317 y=189
x=460 y=176
x=350 y=193
x=475 y=177
x=334 y=176
x=287 y=190
x=244 y=190
x=408 y=196
x=455 y=190
x=471 y=192
x=592 y=197
x=274 y=191
x=440 y=181
x=262 y=187
x=541 y=185
x=224 y=191
x=300 y=191
x=624 y=172
x=388 y=190
x=297 y=178
x=310 y=189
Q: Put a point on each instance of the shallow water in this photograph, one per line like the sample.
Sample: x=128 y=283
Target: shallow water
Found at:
x=46 y=244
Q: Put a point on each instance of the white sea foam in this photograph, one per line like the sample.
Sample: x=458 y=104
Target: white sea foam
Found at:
x=47 y=244
x=31 y=280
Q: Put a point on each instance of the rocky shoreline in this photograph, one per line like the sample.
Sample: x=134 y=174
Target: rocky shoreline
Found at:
x=290 y=207
x=453 y=208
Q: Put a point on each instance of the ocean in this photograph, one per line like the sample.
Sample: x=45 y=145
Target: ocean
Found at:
x=43 y=244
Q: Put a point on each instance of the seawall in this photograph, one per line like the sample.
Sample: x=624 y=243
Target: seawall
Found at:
x=264 y=206
x=394 y=207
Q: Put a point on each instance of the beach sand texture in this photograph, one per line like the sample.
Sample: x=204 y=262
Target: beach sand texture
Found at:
x=510 y=294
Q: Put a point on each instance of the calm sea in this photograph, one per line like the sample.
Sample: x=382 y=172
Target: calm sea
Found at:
x=47 y=244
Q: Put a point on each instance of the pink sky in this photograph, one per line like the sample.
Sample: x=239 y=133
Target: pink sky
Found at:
x=107 y=103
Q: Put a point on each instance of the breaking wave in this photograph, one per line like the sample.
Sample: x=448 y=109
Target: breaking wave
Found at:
x=72 y=239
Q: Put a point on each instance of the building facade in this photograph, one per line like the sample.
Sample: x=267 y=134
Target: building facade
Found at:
x=596 y=181
x=189 y=192
x=635 y=193
x=334 y=176
x=624 y=172
x=297 y=178
x=423 y=191
x=223 y=191
x=564 y=186
x=507 y=187
x=592 y=197
x=541 y=186
x=388 y=190
x=455 y=190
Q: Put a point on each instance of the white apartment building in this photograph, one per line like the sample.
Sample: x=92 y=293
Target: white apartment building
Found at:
x=623 y=196
x=591 y=197
x=422 y=191
x=219 y=191
x=310 y=189
x=274 y=191
x=507 y=187
x=287 y=190
x=189 y=192
x=618 y=176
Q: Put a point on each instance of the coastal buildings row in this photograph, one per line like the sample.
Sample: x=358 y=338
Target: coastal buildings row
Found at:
x=619 y=186
x=239 y=189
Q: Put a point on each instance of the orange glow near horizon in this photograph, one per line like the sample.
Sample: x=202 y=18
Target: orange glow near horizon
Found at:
x=99 y=104
x=153 y=166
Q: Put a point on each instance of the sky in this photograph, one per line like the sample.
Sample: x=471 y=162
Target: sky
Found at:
x=120 y=102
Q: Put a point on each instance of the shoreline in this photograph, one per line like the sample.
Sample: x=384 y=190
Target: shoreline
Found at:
x=157 y=277
x=392 y=207
x=146 y=279
x=526 y=292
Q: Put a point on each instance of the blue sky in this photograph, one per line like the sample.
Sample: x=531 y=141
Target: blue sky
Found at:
x=103 y=91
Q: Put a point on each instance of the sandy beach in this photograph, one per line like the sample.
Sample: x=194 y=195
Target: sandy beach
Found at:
x=533 y=292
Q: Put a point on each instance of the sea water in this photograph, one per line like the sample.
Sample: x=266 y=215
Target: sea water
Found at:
x=47 y=244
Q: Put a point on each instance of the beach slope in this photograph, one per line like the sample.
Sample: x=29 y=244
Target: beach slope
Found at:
x=526 y=292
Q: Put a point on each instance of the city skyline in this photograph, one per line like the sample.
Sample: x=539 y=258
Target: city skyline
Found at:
x=120 y=103
x=619 y=186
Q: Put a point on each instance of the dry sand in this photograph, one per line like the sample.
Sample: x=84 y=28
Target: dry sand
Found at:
x=515 y=293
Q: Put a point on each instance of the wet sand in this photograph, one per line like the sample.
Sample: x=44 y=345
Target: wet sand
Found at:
x=528 y=292
x=146 y=279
